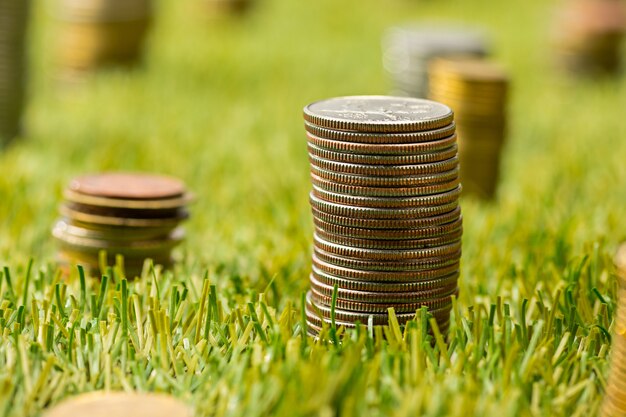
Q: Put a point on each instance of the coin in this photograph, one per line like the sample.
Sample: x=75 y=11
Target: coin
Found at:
x=406 y=159
x=356 y=190
x=384 y=170
x=378 y=114
x=401 y=275
x=390 y=234
x=398 y=181
x=381 y=138
x=417 y=148
x=111 y=212
x=388 y=244
x=413 y=223
x=384 y=286
x=388 y=202
x=120 y=404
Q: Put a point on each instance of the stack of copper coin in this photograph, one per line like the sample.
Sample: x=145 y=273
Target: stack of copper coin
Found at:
x=477 y=91
x=615 y=397
x=96 y=33
x=137 y=216
x=588 y=35
x=385 y=207
x=408 y=50
x=13 y=28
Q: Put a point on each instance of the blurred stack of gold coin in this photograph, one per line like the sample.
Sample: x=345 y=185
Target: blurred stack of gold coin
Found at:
x=216 y=8
x=385 y=206
x=97 y=33
x=120 y=404
x=615 y=396
x=477 y=91
x=13 y=66
x=134 y=215
x=589 y=35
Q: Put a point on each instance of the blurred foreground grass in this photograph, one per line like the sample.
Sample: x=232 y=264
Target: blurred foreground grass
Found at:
x=218 y=104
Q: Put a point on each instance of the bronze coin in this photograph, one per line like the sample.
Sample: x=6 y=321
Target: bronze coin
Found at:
x=380 y=213
x=377 y=297
x=120 y=404
x=380 y=138
x=386 y=255
x=385 y=170
x=378 y=114
x=162 y=204
x=388 y=244
x=372 y=181
x=398 y=275
x=385 y=287
x=131 y=186
x=390 y=234
x=354 y=158
x=389 y=202
x=417 y=148
x=391 y=192
x=119 y=221
x=420 y=264
x=412 y=223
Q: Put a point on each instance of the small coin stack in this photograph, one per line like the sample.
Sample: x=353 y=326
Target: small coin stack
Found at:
x=408 y=50
x=120 y=404
x=588 y=35
x=477 y=91
x=13 y=28
x=97 y=33
x=137 y=216
x=615 y=397
x=385 y=207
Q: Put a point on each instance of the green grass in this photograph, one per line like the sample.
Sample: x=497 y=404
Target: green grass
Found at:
x=219 y=105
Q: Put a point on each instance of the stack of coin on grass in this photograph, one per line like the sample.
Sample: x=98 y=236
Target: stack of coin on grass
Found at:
x=588 y=35
x=97 y=33
x=13 y=28
x=615 y=397
x=408 y=50
x=385 y=206
x=477 y=91
x=134 y=215
x=120 y=404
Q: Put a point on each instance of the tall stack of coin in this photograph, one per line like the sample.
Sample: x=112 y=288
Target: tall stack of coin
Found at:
x=589 y=34
x=408 y=50
x=134 y=215
x=13 y=28
x=477 y=91
x=615 y=396
x=385 y=206
x=96 y=33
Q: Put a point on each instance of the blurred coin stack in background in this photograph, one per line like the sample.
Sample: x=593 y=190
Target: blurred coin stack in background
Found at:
x=385 y=206
x=588 y=35
x=218 y=8
x=408 y=50
x=137 y=216
x=97 y=33
x=13 y=66
x=615 y=395
x=477 y=91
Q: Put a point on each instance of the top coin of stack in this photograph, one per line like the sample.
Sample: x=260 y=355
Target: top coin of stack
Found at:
x=134 y=215
x=385 y=207
x=408 y=50
x=588 y=35
x=477 y=91
x=615 y=396
x=96 y=33
x=120 y=404
x=13 y=28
